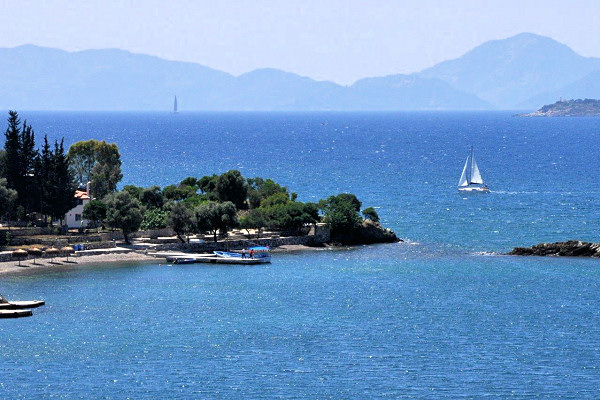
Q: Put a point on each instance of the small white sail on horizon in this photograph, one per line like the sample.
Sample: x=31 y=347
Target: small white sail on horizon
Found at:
x=175 y=106
x=471 y=176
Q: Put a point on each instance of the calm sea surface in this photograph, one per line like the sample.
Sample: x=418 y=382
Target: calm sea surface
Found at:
x=439 y=317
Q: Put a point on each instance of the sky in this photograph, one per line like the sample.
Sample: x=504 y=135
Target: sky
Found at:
x=335 y=40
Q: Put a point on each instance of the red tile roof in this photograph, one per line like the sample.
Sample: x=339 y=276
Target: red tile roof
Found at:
x=80 y=194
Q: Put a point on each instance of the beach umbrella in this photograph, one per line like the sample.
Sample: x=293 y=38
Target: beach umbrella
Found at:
x=19 y=254
x=52 y=251
x=35 y=252
x=66 y=251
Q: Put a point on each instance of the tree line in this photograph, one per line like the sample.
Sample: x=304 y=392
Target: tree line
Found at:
x=40 y=184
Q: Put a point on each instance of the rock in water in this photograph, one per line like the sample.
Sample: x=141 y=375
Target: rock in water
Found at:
x=571 y=248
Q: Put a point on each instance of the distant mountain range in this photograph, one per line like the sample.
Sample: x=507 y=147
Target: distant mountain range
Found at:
x=521 y=72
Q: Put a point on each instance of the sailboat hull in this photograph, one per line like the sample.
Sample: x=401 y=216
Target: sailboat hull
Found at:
x=474 y=189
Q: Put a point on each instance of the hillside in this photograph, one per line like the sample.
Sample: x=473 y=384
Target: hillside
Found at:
x=508 y=72
x=569 y=108
x=37 y=78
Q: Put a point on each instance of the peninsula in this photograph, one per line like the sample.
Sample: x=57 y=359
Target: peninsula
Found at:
x=568 y=108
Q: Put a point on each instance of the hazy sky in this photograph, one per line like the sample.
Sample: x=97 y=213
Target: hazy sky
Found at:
x=324 y=39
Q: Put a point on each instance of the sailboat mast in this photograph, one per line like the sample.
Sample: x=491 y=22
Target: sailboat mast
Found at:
x=471 y=167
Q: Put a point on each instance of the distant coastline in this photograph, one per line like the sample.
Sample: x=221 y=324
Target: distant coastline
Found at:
x=568 y=108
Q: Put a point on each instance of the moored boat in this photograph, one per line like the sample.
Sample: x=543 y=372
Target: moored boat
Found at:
x=17 y=305
x=258 y=253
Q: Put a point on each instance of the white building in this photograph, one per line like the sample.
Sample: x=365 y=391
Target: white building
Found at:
x=74 y=217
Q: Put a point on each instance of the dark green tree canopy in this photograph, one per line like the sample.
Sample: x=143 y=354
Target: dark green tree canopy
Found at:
x=97 y=162
x=231 y=186
x=214 y=217
x=95 y=212
x=371 y=213
x=180 y=220
x=123 y=213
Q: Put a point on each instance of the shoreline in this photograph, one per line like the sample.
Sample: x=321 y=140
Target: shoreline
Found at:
x=44 y=264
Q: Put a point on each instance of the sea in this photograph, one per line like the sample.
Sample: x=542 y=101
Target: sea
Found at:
x=443 y=315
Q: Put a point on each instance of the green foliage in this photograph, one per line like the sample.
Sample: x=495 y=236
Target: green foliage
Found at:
x=97 y=162
x=180 y=220
x=208 y=184
x=231 y=186
x=134 y=191
x=7 y=198
x=178 y=192
x=291 y=216
x=95 y=212
x=341 y=213
x=275 y=199
x=214 y=217
x=190 y=181
x=259 y=189
x=371 y=214
x=152 y=197
x=61 y=188
x=123 y=213
x=254 y=219
x=20 y=162
x=154 y=218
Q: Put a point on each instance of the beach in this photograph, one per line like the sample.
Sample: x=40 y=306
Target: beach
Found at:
x=43 y=264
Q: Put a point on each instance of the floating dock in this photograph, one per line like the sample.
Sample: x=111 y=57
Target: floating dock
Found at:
x=15 y=313
x=17 y=305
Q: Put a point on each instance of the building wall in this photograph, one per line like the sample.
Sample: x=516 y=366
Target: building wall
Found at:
x=71 y=217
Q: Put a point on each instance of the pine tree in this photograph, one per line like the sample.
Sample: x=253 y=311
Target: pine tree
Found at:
x=12 y=148
x=62 y=187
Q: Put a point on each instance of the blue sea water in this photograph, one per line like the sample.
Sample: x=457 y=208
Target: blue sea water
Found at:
x=437 y=317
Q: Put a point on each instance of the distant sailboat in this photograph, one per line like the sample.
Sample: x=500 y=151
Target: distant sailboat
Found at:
x=470 y=179
x=175 y=106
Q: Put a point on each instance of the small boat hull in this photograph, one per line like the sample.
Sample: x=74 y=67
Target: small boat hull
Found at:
x=479 y=189
x=15 y=313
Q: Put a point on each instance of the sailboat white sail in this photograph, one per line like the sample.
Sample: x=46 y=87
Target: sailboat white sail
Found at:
x=175 y=106
x=470 y=179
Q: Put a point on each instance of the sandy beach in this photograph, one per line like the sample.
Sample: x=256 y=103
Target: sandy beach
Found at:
x=41 y=264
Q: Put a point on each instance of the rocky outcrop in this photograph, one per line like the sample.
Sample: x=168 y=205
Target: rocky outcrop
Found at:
x=571 y=248
x=368 y=232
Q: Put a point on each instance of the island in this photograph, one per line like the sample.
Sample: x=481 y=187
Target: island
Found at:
x=570 y=248
x=568 y=108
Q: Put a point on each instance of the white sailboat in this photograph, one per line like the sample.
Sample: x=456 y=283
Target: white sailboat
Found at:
x=470 y=179
x=175 y=106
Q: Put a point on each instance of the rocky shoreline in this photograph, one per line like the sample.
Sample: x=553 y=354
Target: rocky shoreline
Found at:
x=571 y=248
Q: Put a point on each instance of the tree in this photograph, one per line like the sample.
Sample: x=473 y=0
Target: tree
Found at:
x=152 y=197
x=231 y=186
x=208 y=184
x=371 y=214
x=20 y=161
x=7 y=198
x=254 y=219
x=259 y=189
x=341 y=214
x=62 y=188
x=190 y=181
x=214 y=217
x=95 y=212
x=275 y=199
x=292 y=216
x=154 y=218
x=178 y=192
x=180 y=220
x=97 y=162
x=123 y=212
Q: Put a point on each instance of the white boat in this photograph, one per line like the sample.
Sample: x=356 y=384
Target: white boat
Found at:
x=470 y=179
x=258 y=254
